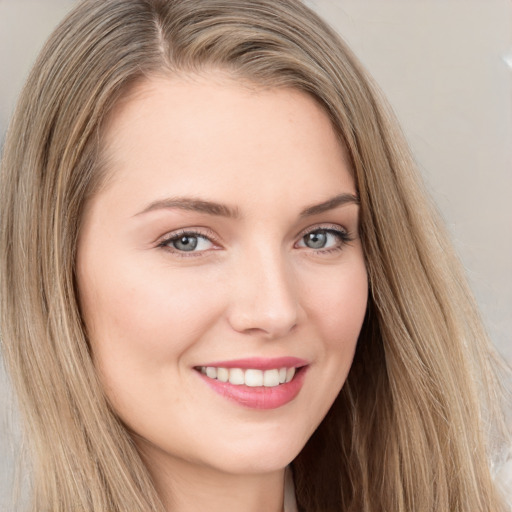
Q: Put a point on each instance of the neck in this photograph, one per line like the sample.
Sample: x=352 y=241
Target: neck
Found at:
x=187 y=487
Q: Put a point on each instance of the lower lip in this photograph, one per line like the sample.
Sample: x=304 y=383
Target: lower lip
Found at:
x=260 y=397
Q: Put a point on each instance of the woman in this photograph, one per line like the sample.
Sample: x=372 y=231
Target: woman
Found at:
x=217 y=261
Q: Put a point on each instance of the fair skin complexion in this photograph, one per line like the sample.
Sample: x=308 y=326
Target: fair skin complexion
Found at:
x=170 y=283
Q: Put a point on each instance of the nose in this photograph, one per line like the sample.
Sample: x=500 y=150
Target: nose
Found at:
x=264 y=300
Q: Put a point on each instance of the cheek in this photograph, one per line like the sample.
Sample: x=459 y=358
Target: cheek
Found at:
x=141 y=316
x=142 y=325
x=337 y=304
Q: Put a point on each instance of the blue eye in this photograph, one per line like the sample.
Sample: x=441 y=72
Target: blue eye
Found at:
x=316 y=240
x=188 y=242
x=324 y=239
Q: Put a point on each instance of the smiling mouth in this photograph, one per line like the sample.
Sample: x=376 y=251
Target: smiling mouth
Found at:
x=250 y=377
x=256 y=383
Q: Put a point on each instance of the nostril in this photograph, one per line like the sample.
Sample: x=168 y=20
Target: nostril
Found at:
x=263 y=298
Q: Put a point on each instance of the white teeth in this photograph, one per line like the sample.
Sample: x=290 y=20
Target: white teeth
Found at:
x=211 y=372
x=253 y=378
x=222 y=374
x=236 y=376
x=250 y=377
x=271 y=378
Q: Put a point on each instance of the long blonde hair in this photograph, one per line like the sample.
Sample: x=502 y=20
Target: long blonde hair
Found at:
x=419 y=418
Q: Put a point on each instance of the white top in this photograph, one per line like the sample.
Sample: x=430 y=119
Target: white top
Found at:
x=290 y=503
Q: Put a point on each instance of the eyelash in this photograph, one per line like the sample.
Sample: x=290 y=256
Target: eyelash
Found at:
x=175 y=236
x=343 y=236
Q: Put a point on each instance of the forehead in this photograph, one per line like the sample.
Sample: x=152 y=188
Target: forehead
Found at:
x=210 y=134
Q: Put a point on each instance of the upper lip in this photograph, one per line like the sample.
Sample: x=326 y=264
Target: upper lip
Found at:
x=260 y=363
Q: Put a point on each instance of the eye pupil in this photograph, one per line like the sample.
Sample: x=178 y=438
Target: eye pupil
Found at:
x=316 y=240
x=186 y=243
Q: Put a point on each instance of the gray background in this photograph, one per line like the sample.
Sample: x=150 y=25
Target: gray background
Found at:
x=446 y=67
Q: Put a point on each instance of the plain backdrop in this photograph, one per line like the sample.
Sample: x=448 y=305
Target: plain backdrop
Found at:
x=445 y=66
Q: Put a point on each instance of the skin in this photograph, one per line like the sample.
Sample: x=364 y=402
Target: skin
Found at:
x=252 y=288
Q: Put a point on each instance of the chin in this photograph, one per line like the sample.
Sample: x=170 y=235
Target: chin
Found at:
x=262 y=456
x=250 y=465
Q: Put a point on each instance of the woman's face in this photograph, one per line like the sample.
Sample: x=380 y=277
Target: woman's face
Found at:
x=222 y=258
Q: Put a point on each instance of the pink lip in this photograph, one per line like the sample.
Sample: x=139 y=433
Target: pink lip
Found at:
x=260 y=363
x=258 y=397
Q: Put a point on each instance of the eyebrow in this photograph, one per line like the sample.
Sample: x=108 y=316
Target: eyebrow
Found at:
x=222 y=210
x=330 y=204
x=191 y=204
